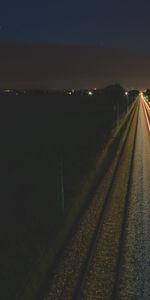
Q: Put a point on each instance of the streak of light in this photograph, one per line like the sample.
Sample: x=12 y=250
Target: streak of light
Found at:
x=146 y=116
x=147 y=106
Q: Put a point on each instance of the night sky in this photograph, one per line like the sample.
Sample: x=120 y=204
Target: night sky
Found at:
x=77 y=26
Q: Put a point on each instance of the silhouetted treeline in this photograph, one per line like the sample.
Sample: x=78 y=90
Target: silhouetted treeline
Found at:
x=132 y=95
x=147 y=94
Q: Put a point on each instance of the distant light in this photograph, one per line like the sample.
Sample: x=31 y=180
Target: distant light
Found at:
x=90 y=93
x=7 y=91
x=95 y=89
x=69 y=93
x=126 y=93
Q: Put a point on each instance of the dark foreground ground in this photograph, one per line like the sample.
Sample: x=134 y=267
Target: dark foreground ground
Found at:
x=46 y=143
x=108 y=255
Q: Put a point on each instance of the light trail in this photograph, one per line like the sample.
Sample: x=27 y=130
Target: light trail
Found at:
x=147 y=106
x=145 y=112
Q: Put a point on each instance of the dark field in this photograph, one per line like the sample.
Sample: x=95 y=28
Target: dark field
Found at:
x=47 y=143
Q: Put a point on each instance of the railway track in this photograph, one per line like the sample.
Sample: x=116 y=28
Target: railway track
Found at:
x=91 y=263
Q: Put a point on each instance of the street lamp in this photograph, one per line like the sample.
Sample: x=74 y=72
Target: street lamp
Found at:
x=126 y=94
